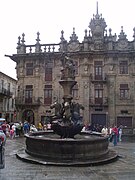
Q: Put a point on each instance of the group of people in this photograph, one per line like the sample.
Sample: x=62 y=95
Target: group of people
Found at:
x=13 y=129
x=41 y=126
x=114 y=133
x=17 y=129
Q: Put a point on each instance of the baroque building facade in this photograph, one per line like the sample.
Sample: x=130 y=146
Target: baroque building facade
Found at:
x=105 y=75
x=7 y=97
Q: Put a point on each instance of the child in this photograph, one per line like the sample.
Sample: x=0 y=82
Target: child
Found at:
x=11 y=133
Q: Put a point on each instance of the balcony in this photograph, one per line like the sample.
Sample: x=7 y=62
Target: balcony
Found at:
x=98 y=78
x=27 y=102
x=5 y=93
x=98 y=102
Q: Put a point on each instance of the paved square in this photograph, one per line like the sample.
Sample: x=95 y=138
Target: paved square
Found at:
x=15 y=169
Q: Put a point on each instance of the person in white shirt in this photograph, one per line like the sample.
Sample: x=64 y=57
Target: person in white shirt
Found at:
x=119 y=133
x=104 y=131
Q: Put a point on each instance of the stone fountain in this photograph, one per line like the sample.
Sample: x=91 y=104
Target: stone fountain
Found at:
x=66 y=144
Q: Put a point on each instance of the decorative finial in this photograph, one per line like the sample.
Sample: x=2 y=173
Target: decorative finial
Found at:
x=74 y=37
x=73 y=30
x=38 y=39
x=121 y=28
x=110 y=32
x=38 y=46
x=89 y=32
x=23 y=41
x=62 y=32
x=97 y=16
x=85 y=32
x=19 y=39
x=62 y=36
x=122 y=34
x=97 y=7
x=18 y=45
x=105 y=32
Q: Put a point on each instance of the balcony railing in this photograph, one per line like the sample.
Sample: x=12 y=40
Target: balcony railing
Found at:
x=5 y=92
x=98 y=101
x=98 y=78
x=22 y=101
x=40 y=48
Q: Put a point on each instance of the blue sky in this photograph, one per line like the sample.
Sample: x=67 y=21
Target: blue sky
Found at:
x=49 y=17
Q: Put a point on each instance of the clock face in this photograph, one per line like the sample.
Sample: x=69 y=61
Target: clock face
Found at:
x=73 y=47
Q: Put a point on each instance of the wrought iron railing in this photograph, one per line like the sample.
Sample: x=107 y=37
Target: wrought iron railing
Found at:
x=98 y=102
x=27 y=101
x=5 y=92
x=95 y=78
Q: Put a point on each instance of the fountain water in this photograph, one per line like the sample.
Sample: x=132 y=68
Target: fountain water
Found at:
x=66 y=144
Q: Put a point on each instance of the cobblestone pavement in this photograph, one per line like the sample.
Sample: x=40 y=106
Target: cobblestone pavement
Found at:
x=15 y=169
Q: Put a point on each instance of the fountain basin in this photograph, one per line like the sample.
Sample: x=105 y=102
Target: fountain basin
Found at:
x=84 y=149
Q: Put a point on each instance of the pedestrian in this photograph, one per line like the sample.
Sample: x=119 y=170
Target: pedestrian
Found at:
x=26 y=127
x=11 y=133
x=14 y=129
x=40 y=126
x=115 y=135
x=33 y=128
x=119 y=133
x=2 y=137
x=4 y=127
x=18 y=129
x=104 y=131
x=110 y=130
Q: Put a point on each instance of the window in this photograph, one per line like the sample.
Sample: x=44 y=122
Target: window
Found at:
x=8 y=87
x=28 y=94
x=75 y=91
x=124 y=91
x=18 y=91
x=98 y=70
x=48 y=72
x=7 y=104
x=29 y=69
x=123 y=67
x=124 y=121
x=12 y=103
x=98 y=93
x=48 y=94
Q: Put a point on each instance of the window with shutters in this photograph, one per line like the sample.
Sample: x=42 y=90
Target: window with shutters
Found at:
x=124 y=91
x=98 y=88
x=29 y=69
x=123 y=67
x=28 y=94
x=98 y=68
x=48 y=71
x=48 y=94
